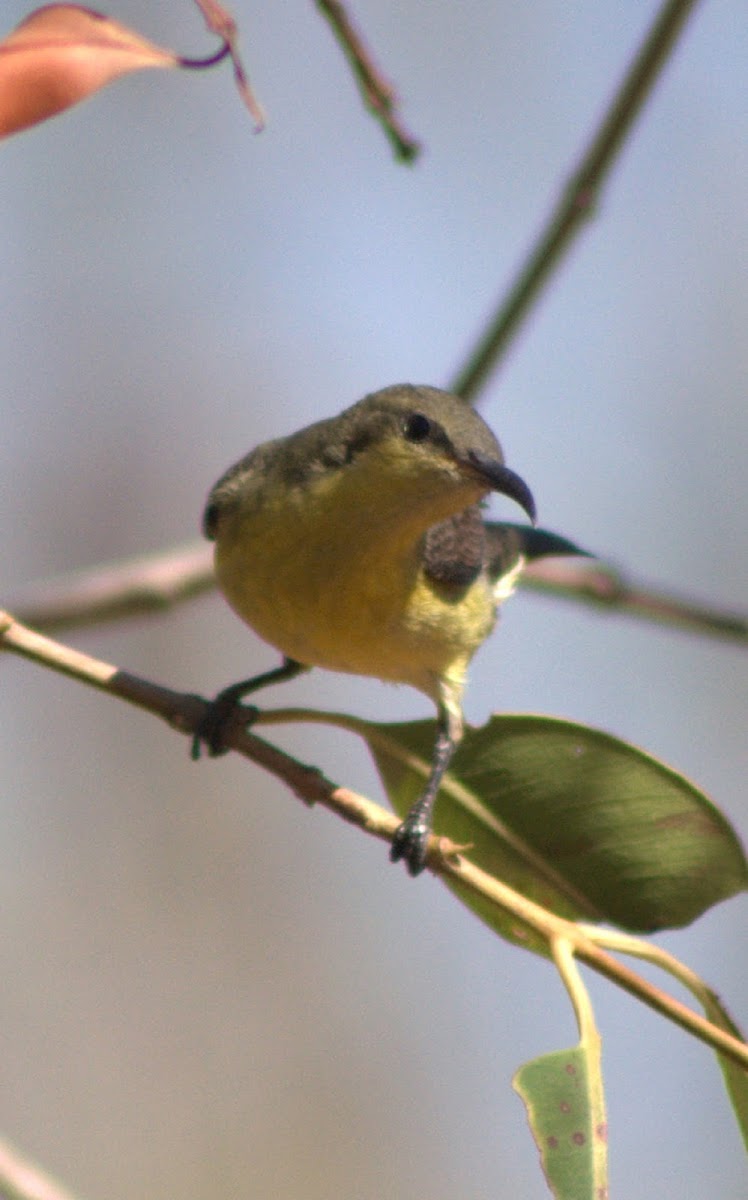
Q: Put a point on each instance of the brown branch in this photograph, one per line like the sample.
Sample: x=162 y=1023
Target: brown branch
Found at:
x=156 y=583
x=378 y=94
x=578 y=199
x=184 y=713
x=147 y=584
x=21 y=1179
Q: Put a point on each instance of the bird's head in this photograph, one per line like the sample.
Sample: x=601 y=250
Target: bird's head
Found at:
x=430 y=442
x=404 y=449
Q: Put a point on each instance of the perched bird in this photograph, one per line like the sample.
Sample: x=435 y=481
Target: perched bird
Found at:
x=358 y=544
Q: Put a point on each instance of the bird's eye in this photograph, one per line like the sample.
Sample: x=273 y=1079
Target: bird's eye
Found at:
x=210 y=521
x=417 y=427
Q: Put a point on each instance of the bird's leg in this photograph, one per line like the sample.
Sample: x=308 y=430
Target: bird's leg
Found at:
x=410 y=840
x=219 y=712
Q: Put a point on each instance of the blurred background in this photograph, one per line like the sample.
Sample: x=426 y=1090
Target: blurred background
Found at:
x=209 y=990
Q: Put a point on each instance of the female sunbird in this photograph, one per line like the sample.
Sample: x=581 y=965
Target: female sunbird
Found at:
x=358 y=544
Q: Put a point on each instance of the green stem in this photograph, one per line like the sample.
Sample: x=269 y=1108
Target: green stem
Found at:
x=578 y=198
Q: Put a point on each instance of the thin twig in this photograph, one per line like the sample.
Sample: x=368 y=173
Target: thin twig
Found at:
x=578 y=198
x=221 y=22
x=184 y=712
x=378 y=94
x=605 y=588
x=158 y=582
x=211 y=60
x=218 y=19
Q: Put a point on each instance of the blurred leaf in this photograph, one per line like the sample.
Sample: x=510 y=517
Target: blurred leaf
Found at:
x=564 y=1099
x=579 y=821
x=61 y=54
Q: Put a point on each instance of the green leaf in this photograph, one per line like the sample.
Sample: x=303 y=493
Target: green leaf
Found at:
x=564 y=1099
x=577 y=820
x=735 y=1077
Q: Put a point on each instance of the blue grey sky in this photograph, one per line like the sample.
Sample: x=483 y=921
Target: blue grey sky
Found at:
x=208 y=988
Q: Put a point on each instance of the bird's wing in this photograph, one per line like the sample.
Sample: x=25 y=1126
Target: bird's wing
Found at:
x=454 y=551
x=506 y=543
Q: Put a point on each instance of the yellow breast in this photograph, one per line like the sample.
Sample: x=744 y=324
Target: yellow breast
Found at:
x=340 y=586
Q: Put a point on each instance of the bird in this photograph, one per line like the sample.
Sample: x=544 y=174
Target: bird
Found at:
x=359 y=544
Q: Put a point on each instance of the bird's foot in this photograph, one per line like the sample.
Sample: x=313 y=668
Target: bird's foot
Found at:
x=218 y=717
x=220 y=712
x=410 y=843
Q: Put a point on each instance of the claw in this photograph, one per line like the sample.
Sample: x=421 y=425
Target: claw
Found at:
x=218 y=717
x=410 y=843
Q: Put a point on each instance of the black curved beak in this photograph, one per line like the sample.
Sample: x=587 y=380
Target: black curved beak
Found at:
x=508 y=483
